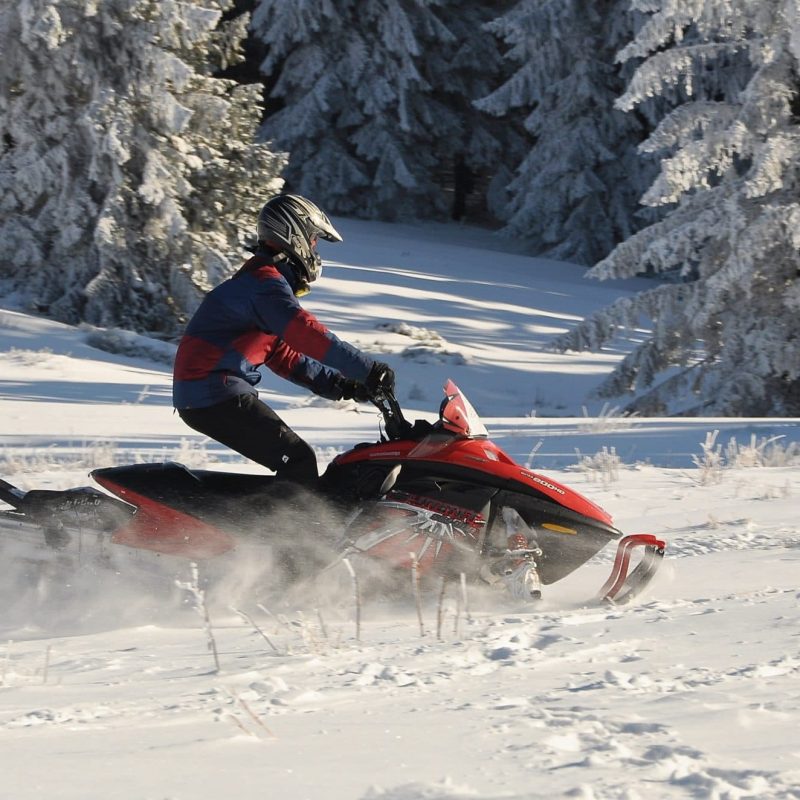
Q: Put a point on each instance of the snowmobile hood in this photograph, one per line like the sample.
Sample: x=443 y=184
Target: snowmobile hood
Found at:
x=459 y=457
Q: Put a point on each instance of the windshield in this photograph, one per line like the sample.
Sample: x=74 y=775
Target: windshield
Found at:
x=458 y=416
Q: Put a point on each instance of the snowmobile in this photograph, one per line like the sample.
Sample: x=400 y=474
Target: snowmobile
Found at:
x=440 y=499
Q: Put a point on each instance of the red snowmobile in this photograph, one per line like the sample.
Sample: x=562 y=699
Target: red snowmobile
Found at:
x=442 y=499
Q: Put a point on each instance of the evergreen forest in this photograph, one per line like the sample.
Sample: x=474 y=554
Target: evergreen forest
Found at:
x=656 y=138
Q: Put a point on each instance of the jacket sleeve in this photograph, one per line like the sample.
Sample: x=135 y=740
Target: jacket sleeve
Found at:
x=305 y=338
x=304 y=371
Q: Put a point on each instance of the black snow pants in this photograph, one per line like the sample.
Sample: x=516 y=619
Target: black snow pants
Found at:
x=252 y=428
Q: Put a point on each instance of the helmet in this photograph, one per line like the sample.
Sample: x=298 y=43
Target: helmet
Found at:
x=291 y=224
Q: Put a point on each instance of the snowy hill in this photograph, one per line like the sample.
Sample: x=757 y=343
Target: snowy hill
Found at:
x=107 y=689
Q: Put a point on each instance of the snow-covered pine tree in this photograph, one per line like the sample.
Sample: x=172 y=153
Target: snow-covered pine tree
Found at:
x=308 y=45
x=726 y=337
x=575 y=193
x=128 y=174
x=479 y=146
x=368 y=111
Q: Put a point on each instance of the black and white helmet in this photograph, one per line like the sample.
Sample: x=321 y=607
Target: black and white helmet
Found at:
x=291 y=224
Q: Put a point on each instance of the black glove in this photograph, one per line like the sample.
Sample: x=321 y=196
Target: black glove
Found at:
x=381 y=376
x=352 y=390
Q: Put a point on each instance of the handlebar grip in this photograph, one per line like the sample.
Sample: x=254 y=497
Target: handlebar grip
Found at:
x=394 y=421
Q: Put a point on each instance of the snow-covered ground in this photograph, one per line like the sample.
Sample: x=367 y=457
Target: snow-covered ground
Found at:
x=108 y=690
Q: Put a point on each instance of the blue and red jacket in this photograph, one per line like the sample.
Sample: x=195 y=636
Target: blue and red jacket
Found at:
x=254 y=319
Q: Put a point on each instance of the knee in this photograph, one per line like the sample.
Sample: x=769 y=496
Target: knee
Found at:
x=299 y=464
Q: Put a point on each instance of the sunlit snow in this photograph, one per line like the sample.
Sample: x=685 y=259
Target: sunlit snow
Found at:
x=108 y=690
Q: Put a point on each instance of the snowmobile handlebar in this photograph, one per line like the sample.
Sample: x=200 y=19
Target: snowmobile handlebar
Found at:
x=396 y=425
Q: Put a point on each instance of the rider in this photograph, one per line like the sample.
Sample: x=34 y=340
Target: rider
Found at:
x=254 y=319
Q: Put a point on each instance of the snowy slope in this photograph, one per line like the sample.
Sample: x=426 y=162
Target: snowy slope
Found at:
x=107 y=689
